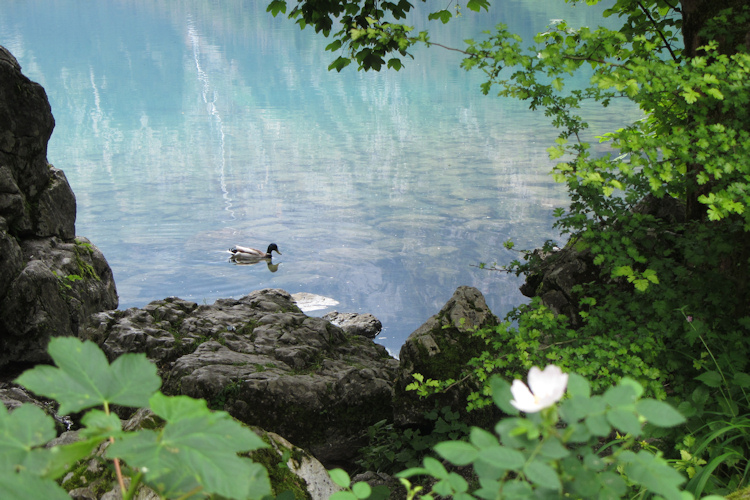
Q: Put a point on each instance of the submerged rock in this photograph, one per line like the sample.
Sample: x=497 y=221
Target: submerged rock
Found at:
x=265 y=362
x=50 y=281
x=310 y=302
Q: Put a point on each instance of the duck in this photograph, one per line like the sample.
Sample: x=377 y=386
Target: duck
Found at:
x=248 y=253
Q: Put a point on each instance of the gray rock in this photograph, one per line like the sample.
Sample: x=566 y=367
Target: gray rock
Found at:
x=365 y=325
x=440 y=349
x=13 y=395
x=265 y=362
x=50 y=282
x=56 y=208
x=60 y=286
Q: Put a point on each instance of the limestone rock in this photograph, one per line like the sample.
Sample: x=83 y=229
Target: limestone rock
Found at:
x=61 y=285
x=365 y=325
x=439 y=349
x=265 y=362
x=50 y=282
x=555 y=275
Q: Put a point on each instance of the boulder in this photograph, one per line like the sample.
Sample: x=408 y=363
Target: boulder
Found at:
x=265 y=362
x=365 y=325
x=554 y=276
x=50 y=281
x=440 y=349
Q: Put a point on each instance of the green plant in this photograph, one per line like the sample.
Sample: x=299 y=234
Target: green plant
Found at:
x=714 y=445
x=65 y=283
x=193 y=454
x=570 y=450
x=357 y=491
x=391 y=449
x=534 y=335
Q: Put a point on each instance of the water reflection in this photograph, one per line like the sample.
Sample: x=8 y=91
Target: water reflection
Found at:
x=185 y=127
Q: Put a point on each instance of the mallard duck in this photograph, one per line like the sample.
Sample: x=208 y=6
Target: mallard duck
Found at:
x=239 y=252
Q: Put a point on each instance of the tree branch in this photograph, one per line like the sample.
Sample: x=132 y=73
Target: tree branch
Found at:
x=661 y=34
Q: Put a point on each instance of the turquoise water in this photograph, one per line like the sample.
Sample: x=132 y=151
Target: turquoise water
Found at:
x=187 y=127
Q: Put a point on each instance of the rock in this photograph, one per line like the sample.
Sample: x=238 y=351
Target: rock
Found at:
x=314 y=477
x=265 y=362
x=13 y=395
x=554 y=276
x=61 y=285
x=310 y=302
x=365 y=325
x=440 y=349
x=50 y=282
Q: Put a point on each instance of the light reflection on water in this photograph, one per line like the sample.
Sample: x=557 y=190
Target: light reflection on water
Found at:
x=187 y=128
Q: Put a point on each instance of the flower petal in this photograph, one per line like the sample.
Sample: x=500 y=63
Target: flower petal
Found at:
x=523 y=399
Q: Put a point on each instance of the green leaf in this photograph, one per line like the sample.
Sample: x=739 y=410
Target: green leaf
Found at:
x=598 y=425
x=502 y=396
x=542 y=475
x=99 y=424
x=620 y=395
x=28 y=426
x=482 y=438
x=457 y=452
x=625 y=421
x=343 y=495
x=457 y=483
x=361 y=490
x=633 y=384
x=26 y=486
x=578 y=386
x=710 y=378
x=340 y=477
x=653 y=473
x=553 y=448
x=741 y=380
x=54 y=462
x=83 y=378
x=339 y=63
x=444 y=16
x=476 y=5
x=659 y=413
x=502 y=457
x=435 y=468
x=198 y=445
x=276 y=6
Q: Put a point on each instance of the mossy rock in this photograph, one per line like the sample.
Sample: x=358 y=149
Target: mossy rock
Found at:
x=440 y=350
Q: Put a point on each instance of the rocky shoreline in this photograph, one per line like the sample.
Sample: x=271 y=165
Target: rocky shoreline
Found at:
x=316 y=382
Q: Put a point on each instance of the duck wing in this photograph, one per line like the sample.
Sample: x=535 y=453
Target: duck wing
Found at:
x=247 y=251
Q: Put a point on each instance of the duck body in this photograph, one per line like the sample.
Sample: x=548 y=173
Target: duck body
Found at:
x=248 y=253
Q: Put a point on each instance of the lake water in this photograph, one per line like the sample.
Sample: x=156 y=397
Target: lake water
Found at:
x=187 y=127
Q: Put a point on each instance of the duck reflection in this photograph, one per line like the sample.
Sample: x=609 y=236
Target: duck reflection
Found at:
x=251 y=261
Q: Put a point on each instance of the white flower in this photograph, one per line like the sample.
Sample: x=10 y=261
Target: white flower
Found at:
x=547 y=388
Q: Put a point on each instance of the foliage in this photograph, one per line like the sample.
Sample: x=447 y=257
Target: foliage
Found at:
x=390 y=449
x=365 y=33
x=714 y=446
x=193 y=455
x=541 y=337
x=357 y=491
x=686 y=66
x=571 y=451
